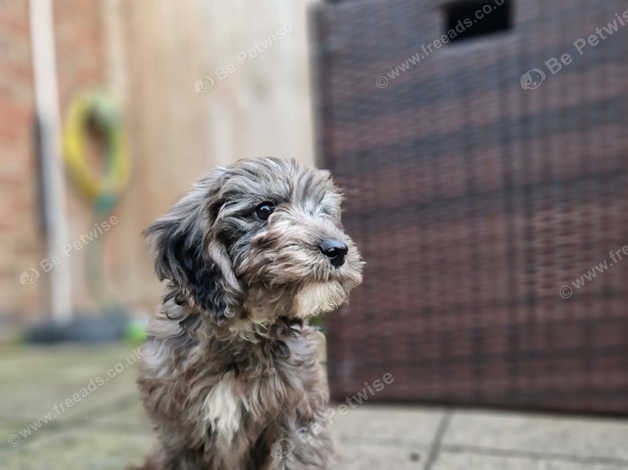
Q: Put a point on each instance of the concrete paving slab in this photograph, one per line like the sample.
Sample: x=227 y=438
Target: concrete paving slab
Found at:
x=77 y=449
x=376 y=456
x=108 y=428
x=465 y=461
x=387 y=424
x=130 y=418
x=61 y=384
x=583 y=437
x=22 y=363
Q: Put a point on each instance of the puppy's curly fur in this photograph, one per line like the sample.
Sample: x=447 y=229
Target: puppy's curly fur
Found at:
x=230 y=376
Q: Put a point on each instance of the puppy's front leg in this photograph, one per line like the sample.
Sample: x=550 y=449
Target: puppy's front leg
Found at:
x=308 y=448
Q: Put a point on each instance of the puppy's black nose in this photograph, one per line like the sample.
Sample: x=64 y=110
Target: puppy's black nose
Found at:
x=335 y=250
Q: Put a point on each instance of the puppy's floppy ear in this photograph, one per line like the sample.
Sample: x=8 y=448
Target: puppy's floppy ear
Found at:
x=187 y=255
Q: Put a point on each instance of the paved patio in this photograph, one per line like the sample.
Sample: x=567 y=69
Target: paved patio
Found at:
x=96 y=422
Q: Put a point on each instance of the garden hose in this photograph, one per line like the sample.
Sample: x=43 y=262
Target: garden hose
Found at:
x=99 y=110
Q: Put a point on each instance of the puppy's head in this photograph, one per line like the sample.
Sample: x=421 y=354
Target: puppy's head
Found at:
x=258 y=240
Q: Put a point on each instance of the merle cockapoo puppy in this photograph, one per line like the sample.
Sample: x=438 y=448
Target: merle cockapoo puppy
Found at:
x=230 y=376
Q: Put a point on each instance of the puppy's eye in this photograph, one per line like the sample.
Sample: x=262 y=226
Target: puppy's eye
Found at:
x=264 y=210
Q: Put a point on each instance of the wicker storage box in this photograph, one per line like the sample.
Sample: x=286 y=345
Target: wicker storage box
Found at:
x=475 y=195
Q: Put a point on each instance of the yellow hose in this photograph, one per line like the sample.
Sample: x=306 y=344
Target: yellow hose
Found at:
x=102 y=108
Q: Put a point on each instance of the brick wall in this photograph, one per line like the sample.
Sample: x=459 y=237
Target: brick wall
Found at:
x=20 y=237
x=78 y=33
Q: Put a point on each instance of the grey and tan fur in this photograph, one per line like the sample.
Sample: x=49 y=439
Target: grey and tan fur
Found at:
x=230 y=372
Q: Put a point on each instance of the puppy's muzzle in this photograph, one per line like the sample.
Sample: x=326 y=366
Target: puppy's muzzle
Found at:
x=335 y=250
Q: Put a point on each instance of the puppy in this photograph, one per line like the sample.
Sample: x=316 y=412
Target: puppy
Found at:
x=230 y=376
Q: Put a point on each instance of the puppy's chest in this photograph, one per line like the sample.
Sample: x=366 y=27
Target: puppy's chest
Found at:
x=279 y=383
x=281 y=374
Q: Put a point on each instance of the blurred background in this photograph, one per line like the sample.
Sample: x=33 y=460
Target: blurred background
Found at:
x=154 y=59
x=482 y=148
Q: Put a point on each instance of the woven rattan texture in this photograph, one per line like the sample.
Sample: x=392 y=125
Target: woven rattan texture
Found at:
x=473 y=201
